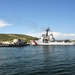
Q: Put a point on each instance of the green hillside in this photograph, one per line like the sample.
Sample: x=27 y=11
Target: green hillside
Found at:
x=10 y=37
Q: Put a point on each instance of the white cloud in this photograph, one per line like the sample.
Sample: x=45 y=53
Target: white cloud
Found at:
x=4 y=23
x=57 y=35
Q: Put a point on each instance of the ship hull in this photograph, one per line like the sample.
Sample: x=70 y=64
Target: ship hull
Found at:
x=53 y=43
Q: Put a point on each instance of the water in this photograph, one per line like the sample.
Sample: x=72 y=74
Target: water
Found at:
x=37 y=60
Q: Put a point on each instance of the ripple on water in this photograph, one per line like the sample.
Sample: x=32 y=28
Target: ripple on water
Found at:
x=38 y=60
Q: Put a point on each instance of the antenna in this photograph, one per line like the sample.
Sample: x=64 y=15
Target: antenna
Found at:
x=48 y=29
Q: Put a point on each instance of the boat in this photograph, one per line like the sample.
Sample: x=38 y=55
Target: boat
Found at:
x=48 y=39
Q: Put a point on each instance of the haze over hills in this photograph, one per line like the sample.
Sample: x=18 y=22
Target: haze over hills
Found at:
x=10 y=37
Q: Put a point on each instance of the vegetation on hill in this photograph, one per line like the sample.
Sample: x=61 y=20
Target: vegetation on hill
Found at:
x=10 y=37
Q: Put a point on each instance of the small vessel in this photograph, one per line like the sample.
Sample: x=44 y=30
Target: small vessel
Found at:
x=50 y=40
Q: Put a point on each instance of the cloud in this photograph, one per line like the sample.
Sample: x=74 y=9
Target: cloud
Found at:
x=4 y=23
x=57 y=35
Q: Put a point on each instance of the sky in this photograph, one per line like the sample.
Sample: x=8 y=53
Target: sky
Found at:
x=32 y=17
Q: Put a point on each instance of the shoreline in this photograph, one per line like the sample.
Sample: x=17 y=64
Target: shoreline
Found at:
x=14 y=45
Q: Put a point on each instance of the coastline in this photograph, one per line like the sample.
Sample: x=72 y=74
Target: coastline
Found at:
x=10 y=45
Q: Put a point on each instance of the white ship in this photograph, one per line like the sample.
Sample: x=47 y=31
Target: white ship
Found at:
x=50 y=40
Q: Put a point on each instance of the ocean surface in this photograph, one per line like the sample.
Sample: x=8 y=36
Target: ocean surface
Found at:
x=37 y=60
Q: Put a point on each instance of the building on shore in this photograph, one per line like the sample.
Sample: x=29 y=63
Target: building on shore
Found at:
x=18 y=42
x=15 y=42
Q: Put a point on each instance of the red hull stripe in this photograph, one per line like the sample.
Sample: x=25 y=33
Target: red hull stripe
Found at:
x=34 y=42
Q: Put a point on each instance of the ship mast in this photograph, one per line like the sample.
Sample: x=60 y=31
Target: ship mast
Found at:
x=47 y=30
x=51 y=35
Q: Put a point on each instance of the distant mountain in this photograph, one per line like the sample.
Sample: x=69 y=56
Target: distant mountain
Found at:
x=10 y=37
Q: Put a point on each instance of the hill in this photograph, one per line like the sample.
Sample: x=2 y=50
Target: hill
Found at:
x=10 y=37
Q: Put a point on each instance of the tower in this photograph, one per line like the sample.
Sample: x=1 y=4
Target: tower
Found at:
x=47 y=31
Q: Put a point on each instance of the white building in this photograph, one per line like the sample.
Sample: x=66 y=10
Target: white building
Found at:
x=18 y=41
